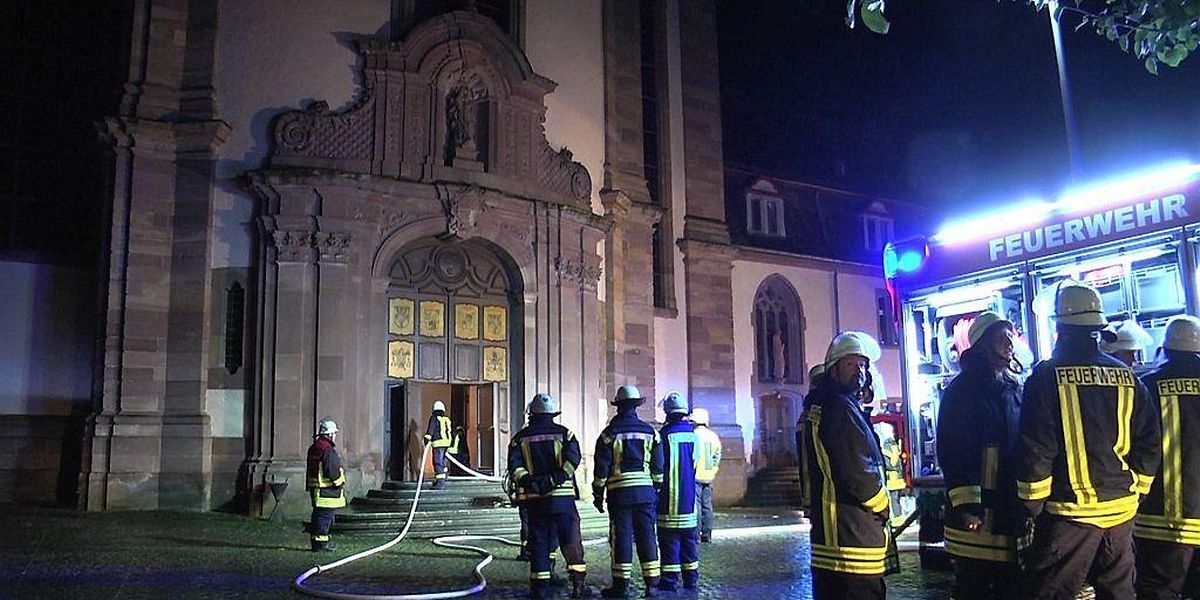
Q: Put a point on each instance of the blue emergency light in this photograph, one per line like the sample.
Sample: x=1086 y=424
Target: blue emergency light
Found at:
x=907 y=256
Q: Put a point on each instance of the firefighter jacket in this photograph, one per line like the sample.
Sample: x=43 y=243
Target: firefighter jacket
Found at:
x=324 y=476
x=677 y=506
x=710 y=454
x=439 y=431
x=629 y=461
x=1090 y=438
x=1171 y=512
x=542 y=459
x=977 y=449
x=849 y=503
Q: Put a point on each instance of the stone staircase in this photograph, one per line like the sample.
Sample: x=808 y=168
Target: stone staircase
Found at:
x=774 y=487
x=464 y=506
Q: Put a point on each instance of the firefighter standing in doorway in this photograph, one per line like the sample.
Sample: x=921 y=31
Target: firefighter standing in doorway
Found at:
x=438 y=434
x=1167 y=528
x=678 y=506
x=542 y=459
x=706 y=470
x=1089 y=447
x=460 y=450
x=324 y=479
x=629 y=468
x=977 y=448
x=850 y=537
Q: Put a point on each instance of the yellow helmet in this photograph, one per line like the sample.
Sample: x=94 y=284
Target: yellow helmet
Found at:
x=1079 y=304
x=983 y=323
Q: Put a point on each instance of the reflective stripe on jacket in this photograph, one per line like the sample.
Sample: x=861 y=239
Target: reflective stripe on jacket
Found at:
x=324 y=476
x=677 y=507
x=1171 y=511
x=710 y=454
x=846 y=484
x=1090 y=436
x=439 y=432
x=629 y=460
x=544 y=450
x=977 y=446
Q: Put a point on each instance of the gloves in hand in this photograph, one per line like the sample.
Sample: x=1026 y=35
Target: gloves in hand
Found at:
x=598 y=498
x=968 y=517
x=559 y=477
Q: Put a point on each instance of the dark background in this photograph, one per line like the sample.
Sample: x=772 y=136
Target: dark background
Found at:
x=957 y=107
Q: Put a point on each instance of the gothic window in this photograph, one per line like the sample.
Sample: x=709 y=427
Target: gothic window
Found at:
x=764 y=215
x=655 y=143
x=778 y=332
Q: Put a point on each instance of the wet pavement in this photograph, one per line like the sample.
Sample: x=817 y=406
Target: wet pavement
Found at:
x=132 y=555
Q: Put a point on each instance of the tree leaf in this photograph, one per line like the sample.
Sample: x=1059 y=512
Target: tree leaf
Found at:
x=1152 y=65
x=874 y=19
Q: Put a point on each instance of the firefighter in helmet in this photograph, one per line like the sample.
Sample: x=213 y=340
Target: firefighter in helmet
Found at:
x=706 y=470
x=324 y=479
x=542 y=459
x=629 y=469
x=977 y=444
x=1089 y=447
x=678 y=506
x=1167 y=528
x=849 y=502
x=1130 y=344
x=439 y=434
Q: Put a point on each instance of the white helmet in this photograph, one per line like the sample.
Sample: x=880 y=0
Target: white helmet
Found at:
x=852 y=343
x=543 y=404
x=1079 y=304
x=1130 y=336
x=438 y=405
x=327 y=426
x=700 y=416
x=1183 y=334
x=628 y=393
x=983 y=323
x=675 y=403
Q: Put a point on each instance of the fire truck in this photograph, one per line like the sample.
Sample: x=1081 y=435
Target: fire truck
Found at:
x=1134 y=238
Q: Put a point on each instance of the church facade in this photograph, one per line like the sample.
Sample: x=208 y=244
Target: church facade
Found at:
x=355 y=209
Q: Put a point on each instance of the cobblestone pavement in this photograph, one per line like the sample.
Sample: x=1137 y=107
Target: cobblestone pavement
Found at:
x=132 y=555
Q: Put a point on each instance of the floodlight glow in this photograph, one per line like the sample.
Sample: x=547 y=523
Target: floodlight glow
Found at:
x=904 y=257
x=1031 y=212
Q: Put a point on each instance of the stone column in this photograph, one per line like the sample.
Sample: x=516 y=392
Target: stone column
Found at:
x=147 y=444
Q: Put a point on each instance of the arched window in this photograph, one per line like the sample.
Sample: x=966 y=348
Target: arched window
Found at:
x=778 y=332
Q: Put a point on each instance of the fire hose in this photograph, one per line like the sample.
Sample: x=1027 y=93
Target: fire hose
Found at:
x=450 y=541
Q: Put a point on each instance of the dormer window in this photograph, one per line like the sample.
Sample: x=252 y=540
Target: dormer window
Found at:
x=878 y=228
x=764 y=215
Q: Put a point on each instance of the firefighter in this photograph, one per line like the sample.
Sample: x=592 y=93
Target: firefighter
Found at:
x=438 y=435
x=977 y=448
x=850 y=539
x=814 y=373
x=1167 y=528
x=629 y=468
x=706 y=470
x=1130 y=344
x=459 y=450
x=542 y=459
x=324 y=479
x=1089 y=447
x=678 y=505
x=893 y=468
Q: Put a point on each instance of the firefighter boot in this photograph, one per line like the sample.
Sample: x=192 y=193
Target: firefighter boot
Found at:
x=691 y=579
x=523 y=555
x=541 y=590
x=556 y=580
x=619 y=589
x=666 y=583
x=652 y=586
x=321 y=546
x=579 y=587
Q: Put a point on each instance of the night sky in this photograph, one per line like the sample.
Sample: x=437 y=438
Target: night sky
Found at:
x=957 y=107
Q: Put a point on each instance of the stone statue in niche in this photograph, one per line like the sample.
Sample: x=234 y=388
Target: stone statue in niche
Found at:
x=462 y=102
x=779 y=348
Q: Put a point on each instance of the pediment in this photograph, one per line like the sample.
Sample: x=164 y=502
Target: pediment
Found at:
x=455 y=101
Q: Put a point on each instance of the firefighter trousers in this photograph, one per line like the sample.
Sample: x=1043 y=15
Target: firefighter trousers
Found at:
x=831 y=585
x=629 y=524
x=680 y=550
x=1162 y=568
x=320 y=524
x=976 y=579
x=704 y=496
x=1064 y=553
x=439 y=465
x=549 y=531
